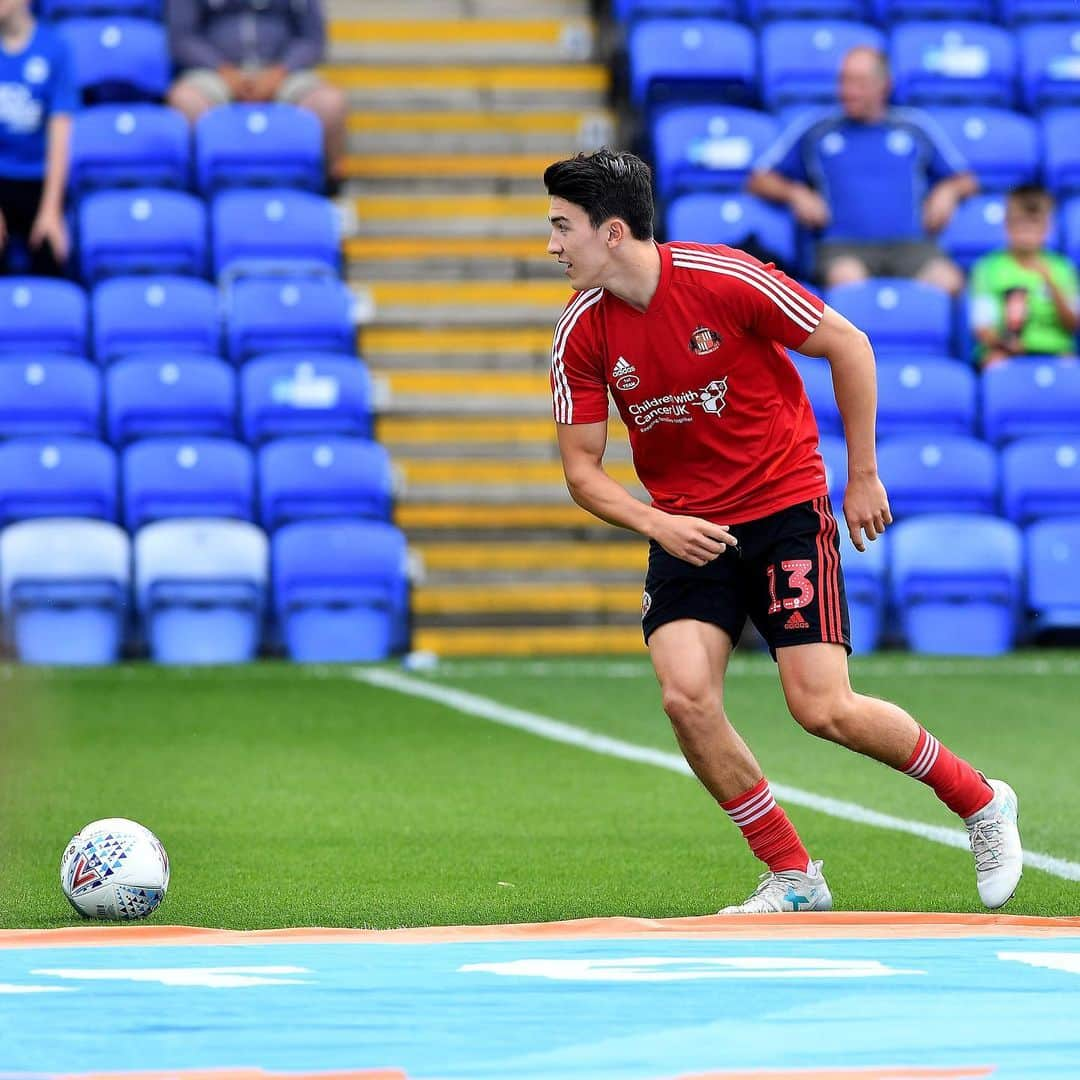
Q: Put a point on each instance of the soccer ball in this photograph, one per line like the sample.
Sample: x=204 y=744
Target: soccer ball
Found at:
x=114 y=869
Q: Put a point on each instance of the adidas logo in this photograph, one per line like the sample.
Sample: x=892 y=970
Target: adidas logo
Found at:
x=622 y=368
x=796 y=622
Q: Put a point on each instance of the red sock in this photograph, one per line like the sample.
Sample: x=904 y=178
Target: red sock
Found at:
x=771 y=836
x=960 y=787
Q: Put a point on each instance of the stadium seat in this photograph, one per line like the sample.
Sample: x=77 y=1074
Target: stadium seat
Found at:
x=129 y=146
x=323 y=477
x=1050 y=64
x=1031 y=396
x=92 y=9
x=866 y=588
x=764 y=10
x=628 y=11
x=65 y=590
x=275 y=315
x=682 y=60
x=941 y=62
x=340 y=590
x=201 y=588
x=1061 y=157
x=49 y=395
x=925 y=396
x=118 y=59
x=1024 y=11
x=1040 y=478
x=274 y=145
x=179 y=395
x=276 y=223
x=42 y=315
x=141 y=231
x=817 y=379
x=900 y=315
x=1070 y=213
x=176 y=477
x=833 y=452
x=741 y=221
x=926 y=474
x=708 y=147
x=165 y=314
x=57 y=477
x=1052 y=551
x=956 y=581
x=894 y=11
x=305 y=394
x=978 y=227
x=1003 y=147
x=800 y=59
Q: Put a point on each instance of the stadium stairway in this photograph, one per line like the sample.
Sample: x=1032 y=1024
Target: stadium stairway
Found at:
x=457 y=107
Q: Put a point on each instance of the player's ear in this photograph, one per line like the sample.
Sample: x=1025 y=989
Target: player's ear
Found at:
x=616 y=232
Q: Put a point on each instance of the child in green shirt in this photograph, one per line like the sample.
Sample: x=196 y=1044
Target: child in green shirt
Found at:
x=1024 y=300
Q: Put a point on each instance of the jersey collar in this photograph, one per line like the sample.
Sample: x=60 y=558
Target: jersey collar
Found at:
x=662 y=286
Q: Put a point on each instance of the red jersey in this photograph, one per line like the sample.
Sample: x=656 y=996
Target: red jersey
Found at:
x=720 y=425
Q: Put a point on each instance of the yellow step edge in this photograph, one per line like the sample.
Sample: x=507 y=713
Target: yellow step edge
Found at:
x=393 y=207
x=424 y=430
x=518 y=516
x=628 y=556
x=473 y=383
x=457 y=340
x=457 y=31
x=541 y=293
x=497 y=473
x=584 y=78
x=531 y=641
x=501 y=599
x=540 y=122
x=445 y=247
x=373 y=166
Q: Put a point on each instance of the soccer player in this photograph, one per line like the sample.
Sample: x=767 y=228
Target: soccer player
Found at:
x=689 y=340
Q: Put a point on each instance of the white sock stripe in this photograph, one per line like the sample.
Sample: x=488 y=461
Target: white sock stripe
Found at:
x=742 y=822
x=913 y=769
x=927 y=756
x=748 y=807
x=933 y=760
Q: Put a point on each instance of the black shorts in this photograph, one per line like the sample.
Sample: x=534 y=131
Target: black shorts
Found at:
x=785 y=575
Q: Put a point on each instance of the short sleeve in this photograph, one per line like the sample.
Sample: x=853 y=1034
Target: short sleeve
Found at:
x=785 y=156
x=578 y=387
x=773 y=305
x=63 y=94
x=945 y=159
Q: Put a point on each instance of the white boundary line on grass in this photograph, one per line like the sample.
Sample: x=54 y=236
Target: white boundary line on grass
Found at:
x=487 y=709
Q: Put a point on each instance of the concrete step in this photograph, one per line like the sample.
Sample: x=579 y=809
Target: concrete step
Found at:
x=530 y=641
x=484 y=436
x=527 y=520
x=450 y=258
x=449 y=215
x=415 y=11
x=469 y=40
x=434 y=392
x=443 y=562
x=469 y=346
x=412 y=303
x=586 y=599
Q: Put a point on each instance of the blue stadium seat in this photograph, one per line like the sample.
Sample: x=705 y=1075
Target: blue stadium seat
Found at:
x=178 y=395
x=201 y=588
x=866 y=588
x=1070 y=214
x=1061 y=156
x=57 y=477
x=141 y=231
x=900 y=315
x=935 y=63
x=892 y=11
x=925 y=396
x=165 y=313
x=736 y=220
x=275 y=223
x=1031 y=396
x=49 y=395
x=800 y=59
x=118 y=59
x=927 y=474
x=1052 y=551
x=1003 y=148
x=323 y=477
x=42 y=315
x=1050 y=64
x=274 y=145
x=65 y=588
x=1040 y=478
x=764 y=10
x=274 y=315
x=340 y=590
x=682 y=60
x=833 y=452
x=978 y=227
x=956 y=580
x=305 y=394
x=627 y=11
x=129 y=146
x=178 y=477
x=817 y=379
x=92 y=9
x=708 y=147
x=1024 y=11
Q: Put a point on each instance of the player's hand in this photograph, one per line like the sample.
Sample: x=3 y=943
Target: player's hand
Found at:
x=694 y=540
x=49 y=227
x=809 y=208
x=939 y=206
x=866 y=508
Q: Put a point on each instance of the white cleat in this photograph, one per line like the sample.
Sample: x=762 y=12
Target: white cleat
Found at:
x=995 y=842
x=788 y=890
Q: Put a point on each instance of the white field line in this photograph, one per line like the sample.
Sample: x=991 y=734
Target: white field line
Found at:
x=487 y=709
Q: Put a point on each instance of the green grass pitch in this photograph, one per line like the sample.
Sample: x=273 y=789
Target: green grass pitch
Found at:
x=290 y=796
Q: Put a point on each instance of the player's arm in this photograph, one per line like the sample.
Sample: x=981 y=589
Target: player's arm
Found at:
x=851 y=358
x=581 y=447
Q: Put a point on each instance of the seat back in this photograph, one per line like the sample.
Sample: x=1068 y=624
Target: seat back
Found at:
x=1050 y=64
x=929 y=474
x=53 y=395
x=57 y=477
x=1002 y=147
x=118 y=59
x=900 y=315
x=953 y=61
x=932 y=396
x=1031 y=397
x=1040 y=478
x=1052 y=554
x=740 y=221
x=817 y=380
x=1061 y=159
x=866 y=588
x=42 y=315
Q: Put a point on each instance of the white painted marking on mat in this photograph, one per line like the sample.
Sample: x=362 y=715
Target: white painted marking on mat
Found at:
x=1055 y=961
x=217 y=978
x=475 y=705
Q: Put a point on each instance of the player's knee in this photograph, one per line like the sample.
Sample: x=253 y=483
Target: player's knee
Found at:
x=827 y=716
x=691 y=711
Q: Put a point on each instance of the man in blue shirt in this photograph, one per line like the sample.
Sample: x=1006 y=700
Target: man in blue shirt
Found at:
x=876 y=182
x=37 y=98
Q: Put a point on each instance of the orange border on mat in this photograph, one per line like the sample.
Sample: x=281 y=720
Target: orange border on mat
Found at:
x=813 y=924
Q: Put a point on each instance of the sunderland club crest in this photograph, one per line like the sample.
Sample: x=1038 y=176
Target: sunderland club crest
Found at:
x=704 y=340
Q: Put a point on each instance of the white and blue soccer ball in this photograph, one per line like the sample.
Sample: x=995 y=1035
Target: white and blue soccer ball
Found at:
x=114 y=869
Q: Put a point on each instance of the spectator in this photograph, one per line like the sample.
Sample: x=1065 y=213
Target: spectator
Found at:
x=255 y=50
x=1024 y=300
x=875 y=180
x=37 y=98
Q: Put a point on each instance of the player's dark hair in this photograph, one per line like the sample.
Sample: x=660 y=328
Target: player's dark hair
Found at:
x=606 y=184
x=1031 y=200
